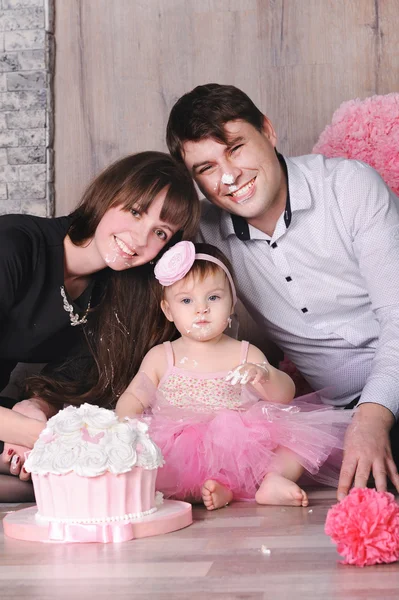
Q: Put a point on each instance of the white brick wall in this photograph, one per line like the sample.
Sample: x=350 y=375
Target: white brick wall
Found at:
x=26 y=106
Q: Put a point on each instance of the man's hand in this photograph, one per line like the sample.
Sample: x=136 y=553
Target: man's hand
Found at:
x=367 y=449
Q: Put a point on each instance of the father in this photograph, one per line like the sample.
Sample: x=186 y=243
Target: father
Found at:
x=315 y=247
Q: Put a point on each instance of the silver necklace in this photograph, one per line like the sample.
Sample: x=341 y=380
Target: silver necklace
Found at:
x=74 y=317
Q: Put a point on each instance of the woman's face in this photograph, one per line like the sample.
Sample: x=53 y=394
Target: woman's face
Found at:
x=129 y=238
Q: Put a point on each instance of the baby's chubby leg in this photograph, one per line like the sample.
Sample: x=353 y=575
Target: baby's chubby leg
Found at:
x=279 y=487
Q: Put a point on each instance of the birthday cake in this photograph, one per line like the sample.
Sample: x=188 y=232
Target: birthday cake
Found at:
x=89 y=467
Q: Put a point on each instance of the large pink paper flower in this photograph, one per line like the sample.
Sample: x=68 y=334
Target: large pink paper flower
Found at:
x=175 y=263
x=365 y=527
x=366 y=130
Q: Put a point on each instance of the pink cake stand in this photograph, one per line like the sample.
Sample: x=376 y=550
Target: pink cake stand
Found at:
x=170 y=516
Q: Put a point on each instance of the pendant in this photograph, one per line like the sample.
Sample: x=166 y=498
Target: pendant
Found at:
x=74 y=317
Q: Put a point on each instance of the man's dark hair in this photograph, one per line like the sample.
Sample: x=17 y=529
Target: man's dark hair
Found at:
x=203 y=113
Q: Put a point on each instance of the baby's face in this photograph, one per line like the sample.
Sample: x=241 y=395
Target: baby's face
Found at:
x=200 y=308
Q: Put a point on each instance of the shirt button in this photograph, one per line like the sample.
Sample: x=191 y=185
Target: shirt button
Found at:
x=274 y=245
x=304 y=310
x=288 y=278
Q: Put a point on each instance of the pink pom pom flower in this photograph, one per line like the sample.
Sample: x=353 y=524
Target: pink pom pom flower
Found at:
x=175 y=263
x=366 y=130
x=365 y=527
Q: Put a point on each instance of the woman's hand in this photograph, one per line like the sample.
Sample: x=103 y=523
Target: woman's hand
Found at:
x=14 y=454
x=253 y=373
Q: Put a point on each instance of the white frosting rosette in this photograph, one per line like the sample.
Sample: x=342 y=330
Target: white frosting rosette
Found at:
x=92 y=461
x=118 y=456
x=98 y=418
x=149 y=456
x=63 y=458
x=67 y=421
x=91 y=441
x=127 y=435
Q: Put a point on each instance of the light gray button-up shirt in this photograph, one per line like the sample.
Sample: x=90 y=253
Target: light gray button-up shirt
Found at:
x=326 y=289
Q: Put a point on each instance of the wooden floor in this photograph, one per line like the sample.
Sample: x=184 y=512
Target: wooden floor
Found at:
x=219 y=556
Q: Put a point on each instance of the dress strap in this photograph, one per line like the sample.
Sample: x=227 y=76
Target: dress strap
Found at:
x=169 y=354
x=244 y=351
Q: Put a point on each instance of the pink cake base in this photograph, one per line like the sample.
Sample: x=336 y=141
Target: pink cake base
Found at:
x=170 y=516
x=73 y=497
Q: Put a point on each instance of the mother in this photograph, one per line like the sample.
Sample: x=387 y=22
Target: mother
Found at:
x=68 y=289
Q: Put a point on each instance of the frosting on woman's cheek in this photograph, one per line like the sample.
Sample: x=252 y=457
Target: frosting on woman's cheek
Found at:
x=112 y=256
x=111 y=259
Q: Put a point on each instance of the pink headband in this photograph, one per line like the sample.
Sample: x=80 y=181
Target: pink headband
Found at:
x=178 y=260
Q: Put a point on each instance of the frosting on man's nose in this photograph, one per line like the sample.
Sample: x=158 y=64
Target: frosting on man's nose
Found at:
x=227 y=178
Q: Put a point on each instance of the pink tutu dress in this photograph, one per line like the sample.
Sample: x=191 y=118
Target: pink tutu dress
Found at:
x=209 y=429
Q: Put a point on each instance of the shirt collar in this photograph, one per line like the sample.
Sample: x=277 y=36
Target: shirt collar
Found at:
x=300 y=194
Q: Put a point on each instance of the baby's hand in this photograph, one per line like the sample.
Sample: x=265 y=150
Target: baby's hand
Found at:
x=248 y=373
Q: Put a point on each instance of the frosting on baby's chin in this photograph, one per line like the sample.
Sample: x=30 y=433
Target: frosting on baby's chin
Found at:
x=91 y=441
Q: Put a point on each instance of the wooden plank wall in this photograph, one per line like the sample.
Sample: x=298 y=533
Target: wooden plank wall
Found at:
x=121 y=64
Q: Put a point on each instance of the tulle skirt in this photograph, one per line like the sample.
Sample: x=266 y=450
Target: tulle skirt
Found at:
x=238 y=448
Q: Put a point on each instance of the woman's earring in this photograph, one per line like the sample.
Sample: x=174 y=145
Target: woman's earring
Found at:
x=152 y=262
x=229 y=322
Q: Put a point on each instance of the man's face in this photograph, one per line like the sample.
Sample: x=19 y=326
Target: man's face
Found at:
x=244 y=177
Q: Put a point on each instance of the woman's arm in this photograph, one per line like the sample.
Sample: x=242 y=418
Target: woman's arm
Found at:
x=22 y=425
x=27 y=418
x=16 y=428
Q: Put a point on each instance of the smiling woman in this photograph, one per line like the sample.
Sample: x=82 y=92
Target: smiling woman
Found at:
x=68 y=293
x=127 y=239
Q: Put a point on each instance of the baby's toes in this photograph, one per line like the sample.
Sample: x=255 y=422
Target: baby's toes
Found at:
x=305 y=499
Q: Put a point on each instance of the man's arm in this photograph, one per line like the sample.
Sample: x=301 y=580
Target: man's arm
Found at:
x=375 y=231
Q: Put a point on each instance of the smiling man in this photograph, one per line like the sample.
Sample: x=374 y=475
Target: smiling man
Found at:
x=315 y=246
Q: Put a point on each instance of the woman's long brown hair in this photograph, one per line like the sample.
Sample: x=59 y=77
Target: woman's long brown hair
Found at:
x=127 y=321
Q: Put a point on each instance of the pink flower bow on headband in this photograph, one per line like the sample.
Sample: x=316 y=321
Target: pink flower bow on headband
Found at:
x=175 y=263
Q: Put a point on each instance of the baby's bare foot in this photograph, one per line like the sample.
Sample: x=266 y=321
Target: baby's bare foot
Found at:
x=276 y=489
x=215 y=495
